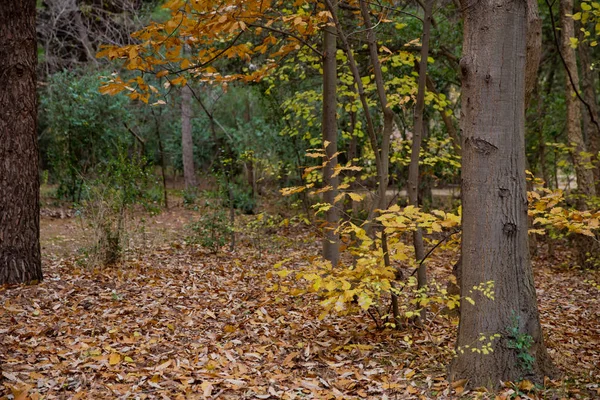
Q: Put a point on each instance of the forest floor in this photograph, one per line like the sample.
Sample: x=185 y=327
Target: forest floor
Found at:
x=174 y=321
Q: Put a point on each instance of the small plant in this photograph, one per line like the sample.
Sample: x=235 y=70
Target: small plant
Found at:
x=189 y=197
x=521 y=343
x=108 y=206
x=243 y=201
x=212 y=230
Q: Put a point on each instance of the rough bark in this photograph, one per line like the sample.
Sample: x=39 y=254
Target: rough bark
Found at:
x=331 y=245
x=585 y=176
x=494 y=243
x=20 y=259
x=187 y=144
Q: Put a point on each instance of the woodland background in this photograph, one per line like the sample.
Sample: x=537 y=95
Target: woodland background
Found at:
x=251 y=199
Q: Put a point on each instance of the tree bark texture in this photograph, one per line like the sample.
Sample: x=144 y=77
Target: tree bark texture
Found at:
x=331 y=245
x=585 y=176
x=494 y=243
x=187 y=143
x=20 y=260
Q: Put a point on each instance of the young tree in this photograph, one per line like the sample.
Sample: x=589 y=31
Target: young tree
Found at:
x=20 y=259
x=187 y=143
x=331 y=246
x=581 y=159
x=494 y=244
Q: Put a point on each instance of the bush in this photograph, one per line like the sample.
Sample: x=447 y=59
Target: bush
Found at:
x=212 y=230
x=109 y=203
x=81 y=129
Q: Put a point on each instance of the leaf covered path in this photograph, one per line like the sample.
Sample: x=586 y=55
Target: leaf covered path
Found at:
x=175 y=322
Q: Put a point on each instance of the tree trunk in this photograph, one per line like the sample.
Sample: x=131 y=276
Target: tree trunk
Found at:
x=585 y=176
x=494 y=243
x=586 y=247
x=187 y=144
x=20 y=259
x=591 y=130
x=331 y=245
x=162 y=158
x=413 y=168
x=542 y=107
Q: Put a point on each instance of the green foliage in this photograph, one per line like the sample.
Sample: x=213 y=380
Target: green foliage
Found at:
x=213 y=229
x=367 y=280
x=243 y=200
x=189 y=197
x=521 y=343
x=81 y=129
x=590 y=22
x=110 y=199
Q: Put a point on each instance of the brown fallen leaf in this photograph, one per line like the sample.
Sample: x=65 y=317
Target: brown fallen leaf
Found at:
x=288 y=362
x=526 y=385
x=462 y=382
x=207 y=388
x=164 y=365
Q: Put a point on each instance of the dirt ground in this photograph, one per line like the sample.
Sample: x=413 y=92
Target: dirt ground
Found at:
x=175 y=321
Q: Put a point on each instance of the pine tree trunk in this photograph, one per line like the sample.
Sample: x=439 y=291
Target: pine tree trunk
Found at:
x=494 y=243
x=187 y=144
x=20 y=259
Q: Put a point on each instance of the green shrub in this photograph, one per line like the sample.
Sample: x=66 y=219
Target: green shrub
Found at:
x=213 y=229
x=110 y=199
x=81 y=129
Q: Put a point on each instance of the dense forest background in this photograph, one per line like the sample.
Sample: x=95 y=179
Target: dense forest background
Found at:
x=268 y=199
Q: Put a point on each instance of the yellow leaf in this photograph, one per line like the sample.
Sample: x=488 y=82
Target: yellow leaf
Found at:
x=527 y=385
x=355 y=196
x=339 y=197
x=114 y=359
x=574 y=42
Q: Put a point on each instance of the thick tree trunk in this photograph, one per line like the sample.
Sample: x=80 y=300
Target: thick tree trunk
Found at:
x=331 y=245
x=187 y=144
x=494 y=243
x=585 y=176
x=20 y=259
